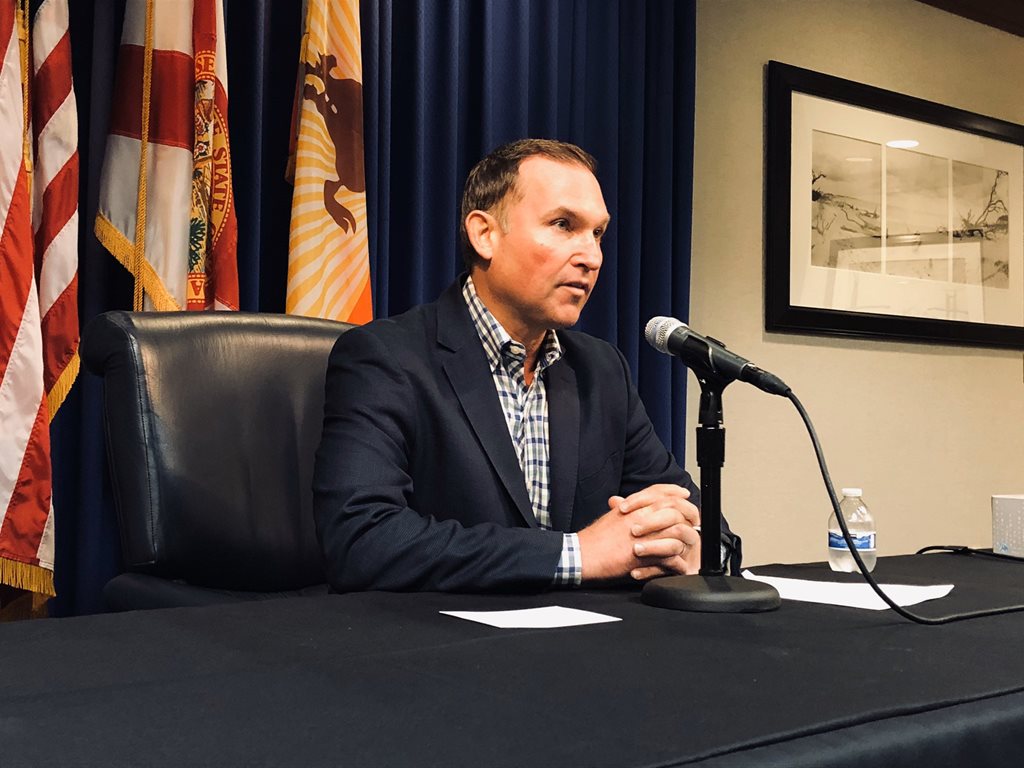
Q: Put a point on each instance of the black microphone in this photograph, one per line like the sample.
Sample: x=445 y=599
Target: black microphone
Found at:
x=708 y=357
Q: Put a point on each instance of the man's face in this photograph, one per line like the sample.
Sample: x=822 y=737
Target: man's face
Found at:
x=542 y=263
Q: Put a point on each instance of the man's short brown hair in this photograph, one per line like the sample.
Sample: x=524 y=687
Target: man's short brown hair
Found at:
x=492 y=182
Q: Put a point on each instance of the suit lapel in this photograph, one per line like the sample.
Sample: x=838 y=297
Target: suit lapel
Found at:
x=563 y=441
x=465 y=365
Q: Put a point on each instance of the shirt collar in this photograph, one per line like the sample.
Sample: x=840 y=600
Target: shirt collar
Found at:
x=495 y=339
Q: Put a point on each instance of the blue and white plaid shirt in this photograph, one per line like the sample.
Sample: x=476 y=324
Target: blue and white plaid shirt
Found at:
x=526 y=414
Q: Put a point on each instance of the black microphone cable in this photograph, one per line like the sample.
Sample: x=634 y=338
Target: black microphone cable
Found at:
x=856 y=555
x=961 y=549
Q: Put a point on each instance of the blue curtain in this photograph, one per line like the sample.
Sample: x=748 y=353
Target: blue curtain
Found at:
x=263 y=38
x=445 y=81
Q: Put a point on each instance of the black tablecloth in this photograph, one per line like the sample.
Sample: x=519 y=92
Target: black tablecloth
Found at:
x=379 y=679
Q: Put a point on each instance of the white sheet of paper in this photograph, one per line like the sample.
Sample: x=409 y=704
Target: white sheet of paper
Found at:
x=851 y=595
x=534 y=618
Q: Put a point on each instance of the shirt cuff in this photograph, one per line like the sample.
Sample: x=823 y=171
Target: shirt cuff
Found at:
x=569 y=572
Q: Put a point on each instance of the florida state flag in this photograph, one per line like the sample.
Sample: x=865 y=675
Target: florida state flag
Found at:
x=166 y=208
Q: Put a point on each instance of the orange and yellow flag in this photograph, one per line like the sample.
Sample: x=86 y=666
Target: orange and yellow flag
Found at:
x=328 y=255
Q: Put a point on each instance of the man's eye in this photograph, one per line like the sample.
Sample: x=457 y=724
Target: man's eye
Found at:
x=562 y=224
x=598 y=233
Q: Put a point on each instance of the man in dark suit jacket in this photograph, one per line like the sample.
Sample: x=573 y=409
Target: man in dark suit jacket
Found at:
x=475 y=444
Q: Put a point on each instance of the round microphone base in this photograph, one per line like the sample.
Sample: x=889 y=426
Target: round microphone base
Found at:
x=710 y=594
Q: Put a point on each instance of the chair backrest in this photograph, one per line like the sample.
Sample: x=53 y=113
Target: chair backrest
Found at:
x=212 y=422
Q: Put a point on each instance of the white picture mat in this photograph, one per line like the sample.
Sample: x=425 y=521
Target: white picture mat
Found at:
x=858 y=291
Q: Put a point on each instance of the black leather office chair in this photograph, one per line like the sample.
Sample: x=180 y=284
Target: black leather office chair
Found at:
x=212 y=420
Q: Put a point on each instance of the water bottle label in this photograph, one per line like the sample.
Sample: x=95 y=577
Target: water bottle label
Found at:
x=865 y=541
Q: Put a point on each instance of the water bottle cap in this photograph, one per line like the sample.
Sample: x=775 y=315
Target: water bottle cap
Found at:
x=852 y=492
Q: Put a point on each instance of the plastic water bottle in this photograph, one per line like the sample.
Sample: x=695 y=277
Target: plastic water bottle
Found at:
x=862 y=530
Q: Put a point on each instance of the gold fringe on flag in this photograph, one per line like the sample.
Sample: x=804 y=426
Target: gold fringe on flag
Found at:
x=62 y=386
x=129 y=256
x=31 y=578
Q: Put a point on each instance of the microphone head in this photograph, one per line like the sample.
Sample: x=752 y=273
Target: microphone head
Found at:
x=659 y=329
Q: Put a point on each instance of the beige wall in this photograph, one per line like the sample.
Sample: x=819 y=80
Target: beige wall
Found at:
x=930 y=432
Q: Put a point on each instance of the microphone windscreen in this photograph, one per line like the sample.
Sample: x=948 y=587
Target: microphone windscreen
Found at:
x=659 y=329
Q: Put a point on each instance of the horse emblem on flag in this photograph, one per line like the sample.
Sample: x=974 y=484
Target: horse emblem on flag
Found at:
x=340 y=104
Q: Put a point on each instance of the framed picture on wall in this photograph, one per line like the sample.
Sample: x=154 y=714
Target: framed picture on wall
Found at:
x=891 y=217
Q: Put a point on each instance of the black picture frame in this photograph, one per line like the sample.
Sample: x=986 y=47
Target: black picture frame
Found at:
x=789 y=261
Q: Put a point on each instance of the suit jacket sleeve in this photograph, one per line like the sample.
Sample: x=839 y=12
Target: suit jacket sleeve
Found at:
x=396 y=506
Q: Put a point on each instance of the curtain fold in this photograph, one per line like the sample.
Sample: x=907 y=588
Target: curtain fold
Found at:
x=263 y=40
x=445 y=81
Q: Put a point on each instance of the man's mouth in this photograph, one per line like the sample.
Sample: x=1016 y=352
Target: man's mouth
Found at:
x=578 y=285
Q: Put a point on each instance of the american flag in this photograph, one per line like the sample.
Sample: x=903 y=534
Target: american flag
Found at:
x=38 y=278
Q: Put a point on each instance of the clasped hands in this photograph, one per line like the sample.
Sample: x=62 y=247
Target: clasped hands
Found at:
x=646 y=534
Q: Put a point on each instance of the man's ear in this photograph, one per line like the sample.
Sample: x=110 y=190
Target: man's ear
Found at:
x=482 y=230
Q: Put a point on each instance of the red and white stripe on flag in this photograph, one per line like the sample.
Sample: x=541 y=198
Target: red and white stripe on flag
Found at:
x=146 y=190
x=55 y=197
x=328 y=253
x=26 y=514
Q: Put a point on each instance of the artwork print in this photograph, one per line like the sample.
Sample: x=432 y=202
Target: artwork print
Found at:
x=929 y=201
x=888 y=216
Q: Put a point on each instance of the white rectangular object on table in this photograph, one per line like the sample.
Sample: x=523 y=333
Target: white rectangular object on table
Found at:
x=548 y=617
x=1008 y=524
x=859 y=595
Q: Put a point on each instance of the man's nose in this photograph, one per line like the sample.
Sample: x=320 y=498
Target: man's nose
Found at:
x=589 y=254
